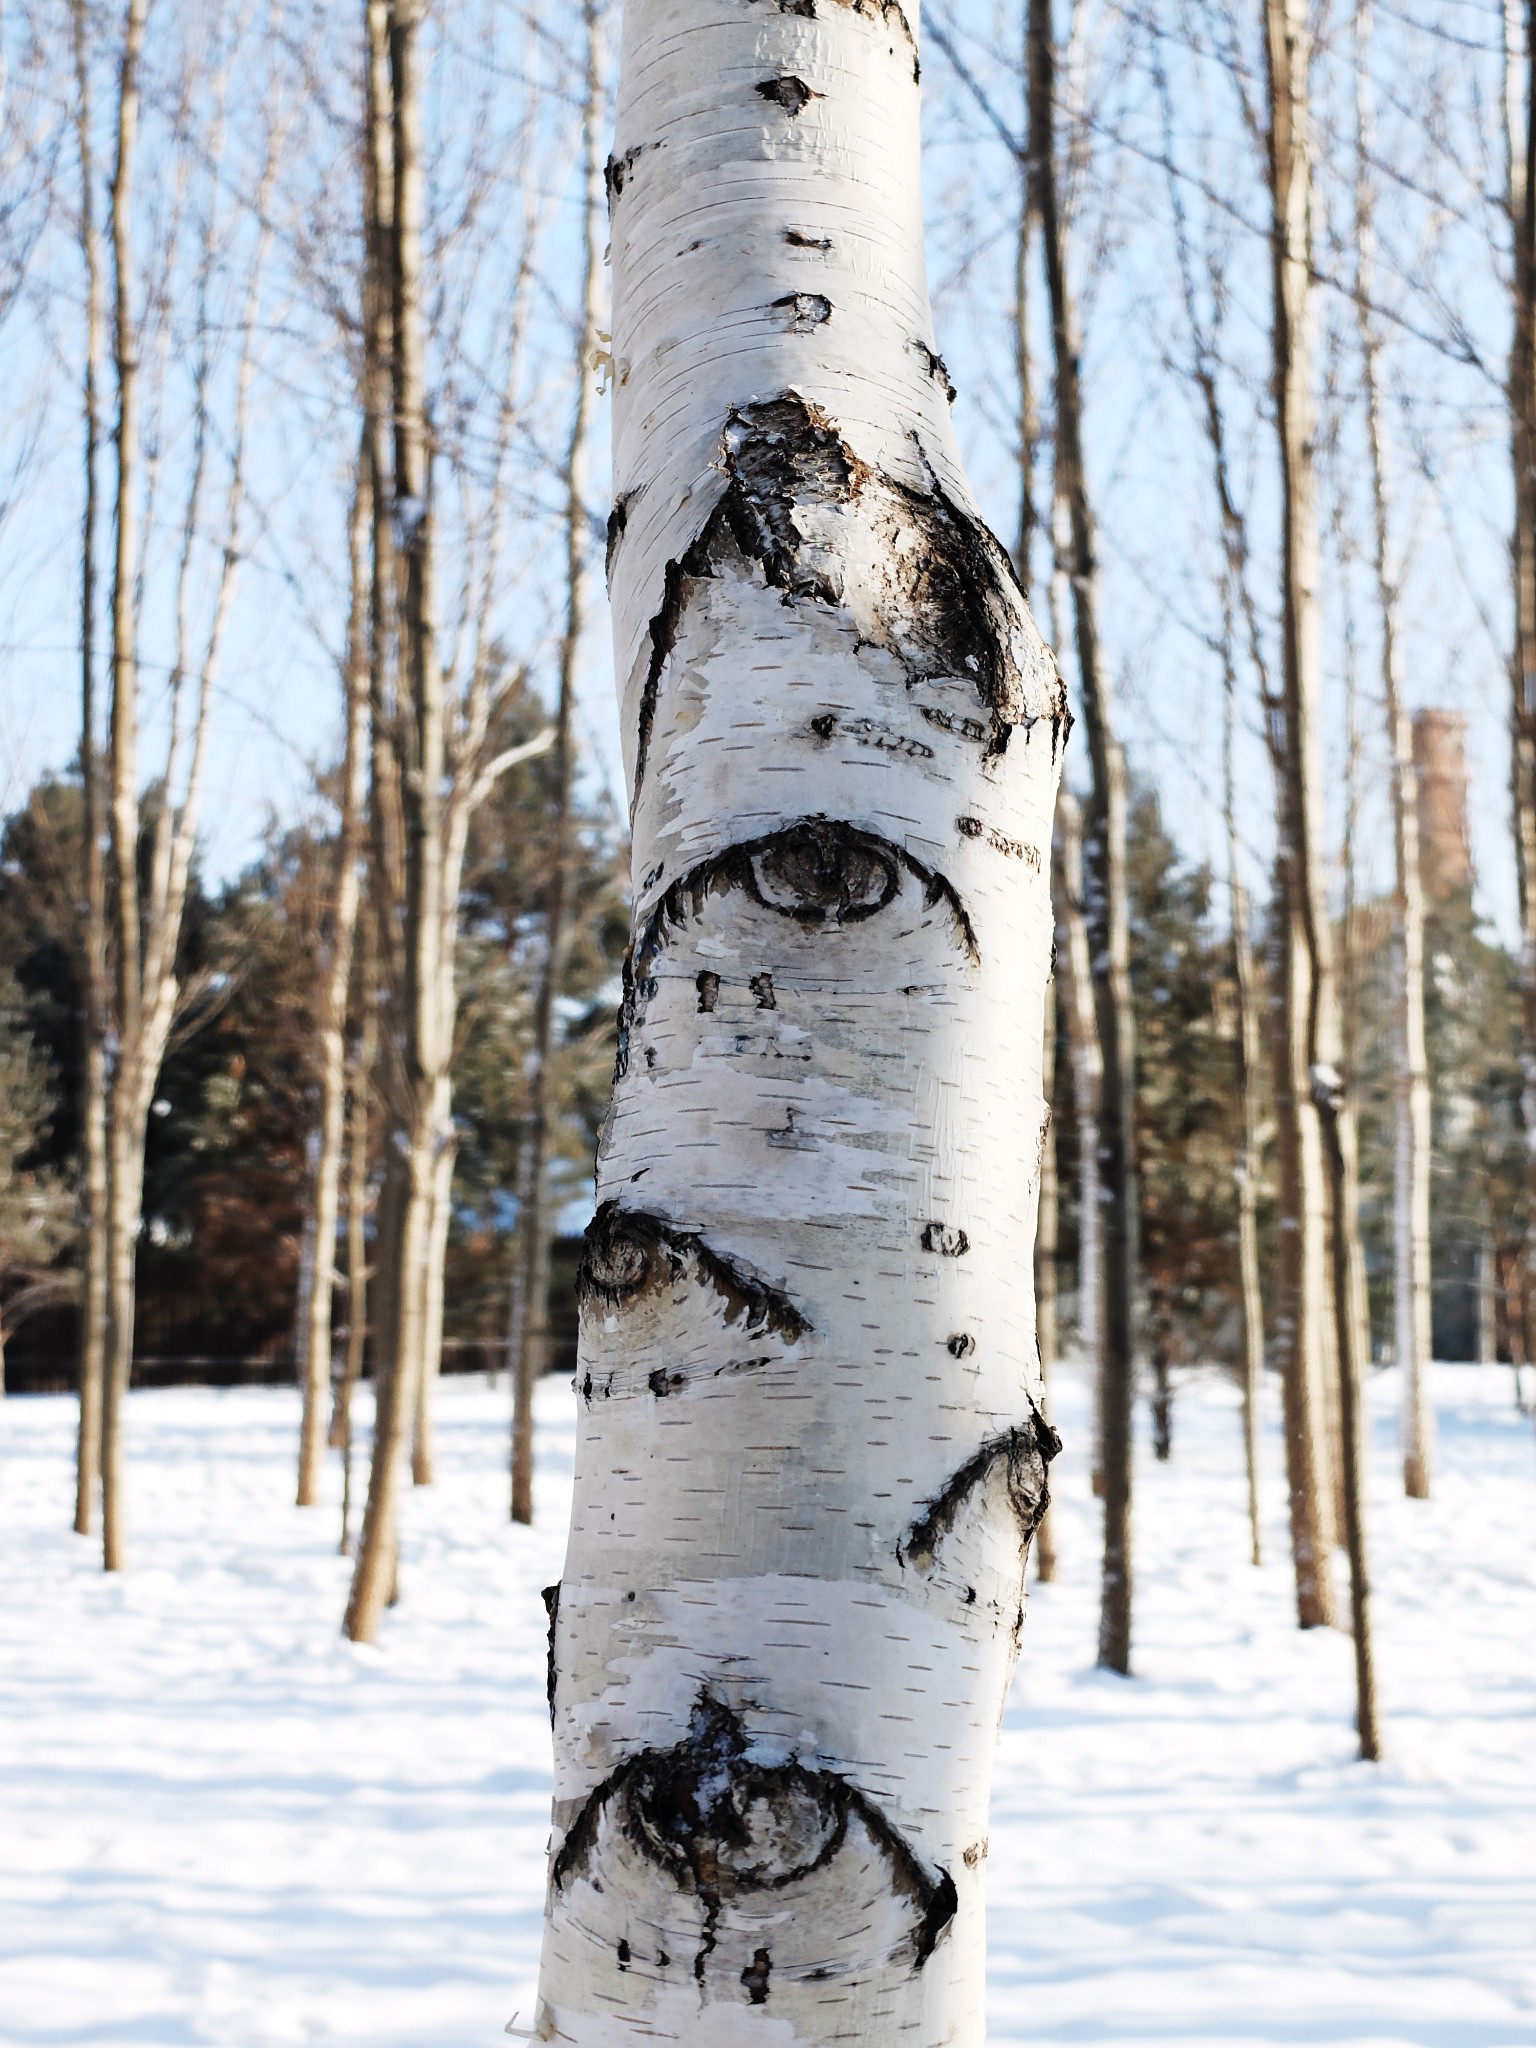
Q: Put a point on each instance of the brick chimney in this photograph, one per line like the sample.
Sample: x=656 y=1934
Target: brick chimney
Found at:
x=1445 y=842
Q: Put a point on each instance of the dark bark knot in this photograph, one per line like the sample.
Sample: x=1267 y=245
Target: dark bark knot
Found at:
x=817 y=872
x=946 y=1239
x=724 y=1823
x=804 y=310
x=629 y=1253
x=937 y=369
x=1022 y=1454
x=949 y=603
x=551 y=1598
x=788 y=92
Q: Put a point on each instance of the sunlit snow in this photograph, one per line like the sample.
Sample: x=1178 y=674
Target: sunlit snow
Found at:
x=220 y=1824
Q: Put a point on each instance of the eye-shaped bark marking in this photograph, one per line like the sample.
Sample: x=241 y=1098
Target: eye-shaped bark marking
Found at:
x=816 y=872
x=805 y=310
x=630 y=1252
x=723 y=1824
x=951 y=603
x=1024 y=1452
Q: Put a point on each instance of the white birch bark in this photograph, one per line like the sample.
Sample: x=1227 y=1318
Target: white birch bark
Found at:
x=1411 y=1104
x=810 y=1448
x=1073 y=964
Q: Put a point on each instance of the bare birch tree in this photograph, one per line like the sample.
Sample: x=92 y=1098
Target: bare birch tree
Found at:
x=1106 y=894
x=152 y=857
x=1411 y=1097
x=1073 y=964
x=810 y=1444
x=1305 y=1014
x=314 y=1345
x=532 y=1354
x=93 y=1117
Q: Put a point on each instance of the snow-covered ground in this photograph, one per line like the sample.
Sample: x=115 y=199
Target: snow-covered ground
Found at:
x=219 y=1824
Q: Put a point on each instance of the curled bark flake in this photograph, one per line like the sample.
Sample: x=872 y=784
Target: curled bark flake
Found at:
x=937 y=369
x=723 y=1824
x=805 y=310
x=788 y=92
x=1023 y=1453
x=630 y=1252
x=551 y=1598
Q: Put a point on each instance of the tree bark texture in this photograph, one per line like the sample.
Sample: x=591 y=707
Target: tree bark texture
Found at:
x=315 y=1335
x=1306 y=1023
x=93 y=1119
x=1104 y=860
x=810 y=1448
x=532 y=1355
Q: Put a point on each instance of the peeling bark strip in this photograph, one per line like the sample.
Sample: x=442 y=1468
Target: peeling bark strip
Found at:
x=787 y=1625
x=1023 y=1453
x=629 y=1253
x=725 y=1825
x=817 y=872
x=952 y=590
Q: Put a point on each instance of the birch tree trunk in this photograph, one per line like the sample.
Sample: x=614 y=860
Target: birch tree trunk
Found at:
x=357 y=1211
x=1104 y=848
x=531 y=1358
x=1072 y=962
x=93 y=1290
x=1306 y=1021
x=1246 y=1163
x=419 y=1126
x=315 y=1335
x=1520 y=86
x=125 y=1130
x=810 y=1448
x=1410 y=1191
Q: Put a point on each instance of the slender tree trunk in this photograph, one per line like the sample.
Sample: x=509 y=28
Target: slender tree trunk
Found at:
x=1072 y=963
x=1410 y=1204
x=1104 y=847
x=315 y=1335
x=1520 y=100
x=423 y=1445
x=358 y=1304
x=125 y=1088
x=1046 y=1241
x=420 y=1128
x=532 y=1357
x=1306 y=1018
x=1246 y=1162
x=810 y=1442
x=93 y=1118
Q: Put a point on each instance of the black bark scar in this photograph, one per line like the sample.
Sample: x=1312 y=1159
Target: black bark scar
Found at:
x=551 y=1598
x=817 y=871
x=952 y=593
x=630 y=1252
x=722 y=1824
x=1026 y=1451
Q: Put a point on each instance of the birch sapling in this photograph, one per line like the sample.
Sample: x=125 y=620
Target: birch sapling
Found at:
x=532 y=1324
x=1106 y=895
x=810 y=1448
x=93 y=1120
